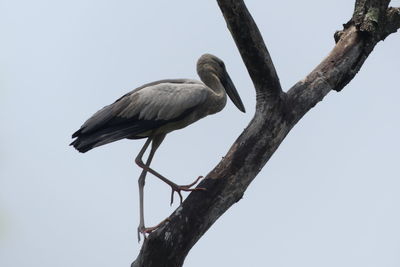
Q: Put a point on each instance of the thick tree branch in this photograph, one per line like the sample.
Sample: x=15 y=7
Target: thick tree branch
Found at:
x=252 y=48
x=334 y=72
x=372 y=22
x=226 y=183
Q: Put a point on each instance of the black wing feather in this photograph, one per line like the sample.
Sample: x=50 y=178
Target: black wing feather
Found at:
x=117 y=129
x=107 y=126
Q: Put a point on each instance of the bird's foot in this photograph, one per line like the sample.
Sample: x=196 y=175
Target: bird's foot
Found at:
x=148 y=230
x=187 y=188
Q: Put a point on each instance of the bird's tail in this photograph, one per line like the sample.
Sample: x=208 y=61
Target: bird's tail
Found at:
x=87 y=141
x=83 y=144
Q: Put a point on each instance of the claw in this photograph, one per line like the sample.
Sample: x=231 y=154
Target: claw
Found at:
x=148 y=230
x=179 y=188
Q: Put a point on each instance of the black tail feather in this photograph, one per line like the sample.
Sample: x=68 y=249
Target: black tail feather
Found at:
x=87 y=141
x=82 y=146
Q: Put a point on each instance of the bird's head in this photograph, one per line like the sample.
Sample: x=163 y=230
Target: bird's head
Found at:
x=209 y=65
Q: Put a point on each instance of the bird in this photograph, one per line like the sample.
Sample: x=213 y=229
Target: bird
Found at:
x=155 y=109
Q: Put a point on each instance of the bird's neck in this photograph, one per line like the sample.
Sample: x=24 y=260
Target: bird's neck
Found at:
x=213 y=82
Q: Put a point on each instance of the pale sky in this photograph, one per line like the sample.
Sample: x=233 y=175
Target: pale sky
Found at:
x=328 y=197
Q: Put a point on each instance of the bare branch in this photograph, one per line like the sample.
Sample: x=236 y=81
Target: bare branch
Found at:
x=333 y=73
x=372 y=21
x=252 y=48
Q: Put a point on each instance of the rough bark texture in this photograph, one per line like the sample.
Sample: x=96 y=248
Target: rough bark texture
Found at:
x=276 y=113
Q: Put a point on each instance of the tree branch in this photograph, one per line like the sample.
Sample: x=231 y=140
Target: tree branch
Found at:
x=333 y=73
x=252 y=48
x=372 y=21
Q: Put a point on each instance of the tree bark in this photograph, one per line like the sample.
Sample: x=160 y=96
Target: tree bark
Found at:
x=276 y=114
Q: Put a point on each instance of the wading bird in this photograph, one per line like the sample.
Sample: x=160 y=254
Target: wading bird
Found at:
x=155 y=109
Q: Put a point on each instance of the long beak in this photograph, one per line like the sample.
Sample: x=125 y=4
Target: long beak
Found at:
x=232 y=92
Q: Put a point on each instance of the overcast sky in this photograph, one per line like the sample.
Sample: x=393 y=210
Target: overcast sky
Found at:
x=328 y=197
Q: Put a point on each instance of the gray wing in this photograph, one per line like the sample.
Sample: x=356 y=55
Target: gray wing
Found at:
x=141 y=110
x=164 y=101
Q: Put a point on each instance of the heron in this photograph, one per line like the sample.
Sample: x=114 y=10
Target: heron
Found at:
x=155 y=109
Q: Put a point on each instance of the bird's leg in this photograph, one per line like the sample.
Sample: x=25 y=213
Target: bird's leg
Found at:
x=141 y=183
x=175 y=188
x=141 y=228
x=155 y=144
